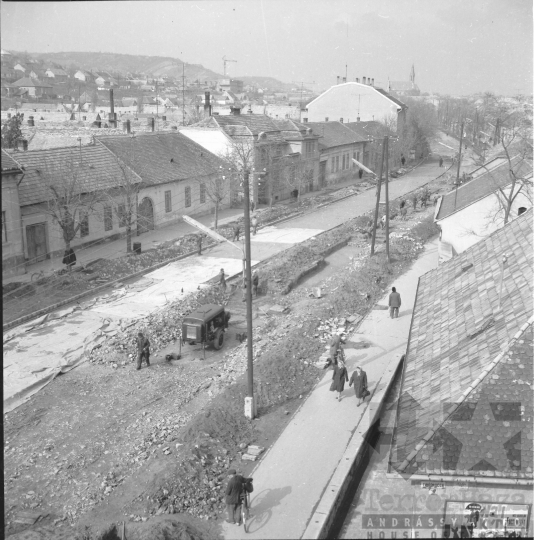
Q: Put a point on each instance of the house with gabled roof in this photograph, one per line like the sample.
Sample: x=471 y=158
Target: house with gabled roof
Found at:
x=91 y=169
x=476 y=208
x=291 y=144
x=177 y=174
x=338 y=146
x=32 y=87
x=57 y=74
x=353 y=101
x=465 y=412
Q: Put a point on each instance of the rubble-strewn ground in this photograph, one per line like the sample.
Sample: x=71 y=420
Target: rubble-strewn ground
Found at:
x=105 y=443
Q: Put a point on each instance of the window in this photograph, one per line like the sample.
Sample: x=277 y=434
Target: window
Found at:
x=187 y=196
x=121 y=213
x=108 y=218
x=326 y=119
x=343 y=165
x=202 y=193
x=84 y=225
x=337 y=163
x=168 y=204
x=341 y=120
x=4 y=227
x=353 y=157
x=358 y=156
x=333 y=165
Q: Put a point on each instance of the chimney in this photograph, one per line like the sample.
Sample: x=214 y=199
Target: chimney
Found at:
x=22 y=145
x=151 y=123
x=357 y=79
x=207 y=107
x=337 y=79
x=372 y=82
x=358 y=119
x=363 y=80
x=128 y=126
x=98 y=121
x=112 y=113
x=31 y=123
x=344 y=80
x=236 y=110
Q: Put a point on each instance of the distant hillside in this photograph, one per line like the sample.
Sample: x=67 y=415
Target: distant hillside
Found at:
x=149 y=65
x=128 y=63
x=269 y=83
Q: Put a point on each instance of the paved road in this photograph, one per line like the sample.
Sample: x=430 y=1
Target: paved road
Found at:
x=36 y=352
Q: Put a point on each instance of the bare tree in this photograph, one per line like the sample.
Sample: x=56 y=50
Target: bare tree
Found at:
x=297 y=175
x=240 y=160
x=72 y=193
x=217 y=188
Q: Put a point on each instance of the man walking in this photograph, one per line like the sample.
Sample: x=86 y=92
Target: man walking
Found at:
x=394 y=303
x=222 y=280
x=199 y=243
x=255 y=283
x=440 y=161
x=403 y=160
x=237 y=232
x=254 y=223
x=233 y=497
x=143 y=350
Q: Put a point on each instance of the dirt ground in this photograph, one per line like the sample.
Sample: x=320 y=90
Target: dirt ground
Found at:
x=103 y=445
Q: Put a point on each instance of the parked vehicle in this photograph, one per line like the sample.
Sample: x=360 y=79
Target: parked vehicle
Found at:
x=206 y=325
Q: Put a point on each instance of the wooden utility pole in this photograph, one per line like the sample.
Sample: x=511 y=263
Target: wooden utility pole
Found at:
x=183 y=93
x=378 y=188
x=459 y=163
x=250 y=406
x=386 y=154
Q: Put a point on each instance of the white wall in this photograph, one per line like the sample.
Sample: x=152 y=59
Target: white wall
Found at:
x=468 y=226
x=346 y=100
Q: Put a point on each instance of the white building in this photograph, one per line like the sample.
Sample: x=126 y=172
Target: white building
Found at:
x=475 y=210
x=352 y=102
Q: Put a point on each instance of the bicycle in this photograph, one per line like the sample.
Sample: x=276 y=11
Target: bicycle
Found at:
x=245 y=504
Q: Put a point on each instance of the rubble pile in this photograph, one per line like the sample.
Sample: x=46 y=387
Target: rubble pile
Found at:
x=118 y=347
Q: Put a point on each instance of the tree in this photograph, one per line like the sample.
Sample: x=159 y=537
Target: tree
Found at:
x=217 y=188
x=240 y=160
x=11 y=130
x=297 y=175
x=421 y=123
x=71 y=193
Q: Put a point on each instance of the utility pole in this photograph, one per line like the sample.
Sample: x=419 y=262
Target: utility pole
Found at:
x=183 y=93
x=459 y=162
x=302 y=83
x=225 y=61
x=386 y=153
x=79 y=103
x=378 y=188
x=157 y=105
x=250 y=405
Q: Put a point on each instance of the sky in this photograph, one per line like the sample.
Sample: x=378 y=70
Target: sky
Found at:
x=457 y=47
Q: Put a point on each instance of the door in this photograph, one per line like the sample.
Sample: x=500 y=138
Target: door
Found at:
x=36 y=242
x=145 y=216
x=322 y=174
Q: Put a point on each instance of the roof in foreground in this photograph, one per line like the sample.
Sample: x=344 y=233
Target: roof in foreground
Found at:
x=482 y=186
x=9 y=164
x=466 y=405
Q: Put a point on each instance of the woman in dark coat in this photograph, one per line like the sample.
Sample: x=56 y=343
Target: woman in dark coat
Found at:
x=359 y=379
x=69 y=258
x=338 y=378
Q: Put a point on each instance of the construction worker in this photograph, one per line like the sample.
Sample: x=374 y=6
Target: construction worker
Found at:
x=143 y=350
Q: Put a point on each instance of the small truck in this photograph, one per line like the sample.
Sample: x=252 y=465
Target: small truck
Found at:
x=206 y=325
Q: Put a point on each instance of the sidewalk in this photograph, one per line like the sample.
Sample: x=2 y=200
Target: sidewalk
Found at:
x=117 y=248
x=290 y=499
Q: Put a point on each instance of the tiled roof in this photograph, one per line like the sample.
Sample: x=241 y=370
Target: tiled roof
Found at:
x=401 y=86
x=482 y=186
x=368 y=129
x=159 y=158
x=28 y=81
x=256 y=123
x=8 y=163
x=99 y=170
x=467 y=349
x=335 y=134
x=392 y=98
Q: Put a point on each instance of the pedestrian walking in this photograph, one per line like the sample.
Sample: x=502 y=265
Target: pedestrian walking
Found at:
x=338 y=379
x=255 y=283
x=403 y=160
x=359 y=380
x=254 y=223
x=440 y=161
x=244 y=286
x=394 y=303
x=335 y=350
x=414 y=201
x=360 y=174
x=222 y=280
x=237 y=232
x=143 y=350
x=252 y=206
x=199 y=243
x=232 y=498
x=69 y=258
